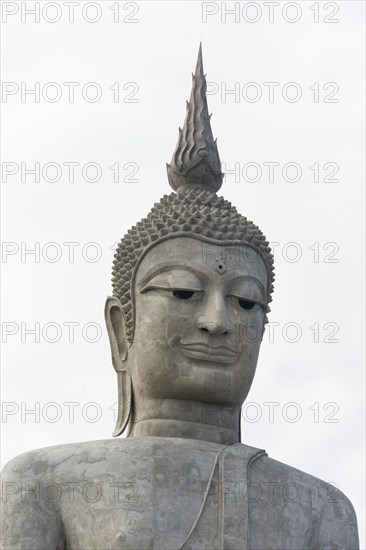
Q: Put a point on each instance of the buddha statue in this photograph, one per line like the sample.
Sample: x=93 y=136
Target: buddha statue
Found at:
x=192 y=284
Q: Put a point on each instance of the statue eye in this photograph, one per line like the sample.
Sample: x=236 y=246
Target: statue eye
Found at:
x=245 y=304
x=183 y=294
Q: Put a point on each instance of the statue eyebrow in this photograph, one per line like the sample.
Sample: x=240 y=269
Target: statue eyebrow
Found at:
x=251 y=279
x=156 y=270
x=161 y=269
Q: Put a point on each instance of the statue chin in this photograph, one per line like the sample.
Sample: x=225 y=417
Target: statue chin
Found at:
x=192 y=283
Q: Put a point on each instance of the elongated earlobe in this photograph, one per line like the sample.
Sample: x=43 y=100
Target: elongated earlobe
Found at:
x=115 y=322
x=124 y=402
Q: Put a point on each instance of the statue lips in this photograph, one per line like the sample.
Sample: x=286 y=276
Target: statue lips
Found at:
x=203 y=352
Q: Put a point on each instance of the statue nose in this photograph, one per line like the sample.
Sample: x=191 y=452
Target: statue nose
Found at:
x=214 y=319
x=208 y=326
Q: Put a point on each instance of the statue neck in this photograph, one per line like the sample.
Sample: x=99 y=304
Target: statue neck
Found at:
x=186 y=419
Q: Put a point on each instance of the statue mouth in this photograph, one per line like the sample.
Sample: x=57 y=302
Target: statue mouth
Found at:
x=203 y=352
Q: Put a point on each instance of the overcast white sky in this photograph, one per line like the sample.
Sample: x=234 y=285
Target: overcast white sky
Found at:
x=310 y=56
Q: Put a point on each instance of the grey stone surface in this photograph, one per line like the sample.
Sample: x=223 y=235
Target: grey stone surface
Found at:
x=192 y=283
x=147 y=492
x=196 y=158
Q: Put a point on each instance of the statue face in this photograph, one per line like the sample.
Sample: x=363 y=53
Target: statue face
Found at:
x=199 y=311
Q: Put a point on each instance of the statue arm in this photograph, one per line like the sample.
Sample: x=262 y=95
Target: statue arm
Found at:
x=28 y=519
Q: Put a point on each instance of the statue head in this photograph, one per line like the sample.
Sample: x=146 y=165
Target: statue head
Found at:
x=192 y=284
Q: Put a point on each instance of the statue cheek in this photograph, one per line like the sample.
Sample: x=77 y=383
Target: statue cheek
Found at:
x=252 y=332
x=248 y=331
x=161 y=336
x=178 y=325
x=168 y=327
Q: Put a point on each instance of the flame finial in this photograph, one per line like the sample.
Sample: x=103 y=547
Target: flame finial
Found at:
x=196 y=162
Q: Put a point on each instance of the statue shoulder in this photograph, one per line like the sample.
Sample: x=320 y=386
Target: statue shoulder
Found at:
x=29 y=515
x=40 y=462
x=32 y=486
x=325 y=506
x=50 y=462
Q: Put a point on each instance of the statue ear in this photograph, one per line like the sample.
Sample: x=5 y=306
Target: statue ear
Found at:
x=115 y=321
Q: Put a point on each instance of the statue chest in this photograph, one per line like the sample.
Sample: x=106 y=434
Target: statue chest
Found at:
x=149 y=503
